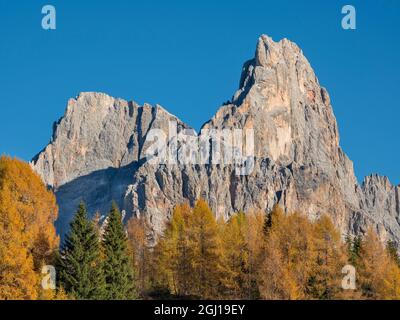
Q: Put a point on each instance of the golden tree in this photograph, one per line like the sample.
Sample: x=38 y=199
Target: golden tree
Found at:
x=303 y=259
x=27 y=234
x=289 y=254
x=378 y=274
x=173 y=254
x=189 y=255
x=243 y=244
x=205 y=251
x=235 y=256
x=326 y=277
x=138 y=232
x=254 y=235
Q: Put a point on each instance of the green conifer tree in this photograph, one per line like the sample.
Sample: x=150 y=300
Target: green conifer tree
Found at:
x=80 y=265
x=353 y=248
x=391 y=248
x=269 y=217
x=117 y=266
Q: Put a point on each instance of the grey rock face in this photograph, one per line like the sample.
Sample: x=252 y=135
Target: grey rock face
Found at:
x=97 y=154
x=380 y=201
x=95 y=151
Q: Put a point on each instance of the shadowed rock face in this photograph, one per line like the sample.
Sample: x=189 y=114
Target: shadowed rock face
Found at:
x=97 y=154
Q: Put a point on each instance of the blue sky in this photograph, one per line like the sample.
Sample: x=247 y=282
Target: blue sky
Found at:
x=187 y=56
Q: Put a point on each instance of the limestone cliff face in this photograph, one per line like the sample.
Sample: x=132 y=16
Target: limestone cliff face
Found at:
x=95 y=151
x=97 y=154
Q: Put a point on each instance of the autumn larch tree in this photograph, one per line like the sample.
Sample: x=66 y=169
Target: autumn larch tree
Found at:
x=378 y=274
x=175 y=268
x=28 y=238
x=205 y=251
x=140 y=247
x=330 y=258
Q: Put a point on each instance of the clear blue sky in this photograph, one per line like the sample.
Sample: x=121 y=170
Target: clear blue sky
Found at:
x=187 y=56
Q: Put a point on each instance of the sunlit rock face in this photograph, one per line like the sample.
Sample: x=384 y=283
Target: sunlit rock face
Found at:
x=98 y=154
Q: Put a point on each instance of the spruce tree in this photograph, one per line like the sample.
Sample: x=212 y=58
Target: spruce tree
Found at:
x=354 y=246
x=269 y=217
x=391 y=248
x=118 y=266
x=80 y=265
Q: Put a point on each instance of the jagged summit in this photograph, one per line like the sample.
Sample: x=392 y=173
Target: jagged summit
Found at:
x=270 y=53
x=97 y=132
x=97 y=154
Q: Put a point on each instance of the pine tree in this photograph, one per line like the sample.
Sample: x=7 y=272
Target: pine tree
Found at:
x=276 y=210
x=118 y=266
x=354 y=246
x=392 y=250
x=81 y=271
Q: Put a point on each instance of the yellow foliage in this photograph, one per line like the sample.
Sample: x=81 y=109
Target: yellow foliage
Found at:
x=303 y=260
x=242 y=251
x=189 y=257
x=58 y=294
x=330 y=260
x=289 y=253
x=27 y=234
x=378 y=274
x=204 y=251
x=251 y=256
x=285 y=256
x=138 y=230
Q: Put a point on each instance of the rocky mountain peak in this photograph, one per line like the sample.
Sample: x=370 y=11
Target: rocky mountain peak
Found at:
x=97 y=132
x=281 y=98
x=270 y=53
x=97 y=154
